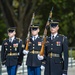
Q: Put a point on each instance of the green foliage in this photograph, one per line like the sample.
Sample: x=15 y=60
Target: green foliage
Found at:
x=64 y=10
x=72 y=53
x=2 y=30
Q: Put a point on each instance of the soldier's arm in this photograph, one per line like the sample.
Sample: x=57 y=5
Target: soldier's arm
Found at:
x=3 y=54
x=20 y=59
x=65 y=52
x=46 y=44
x=45 y=54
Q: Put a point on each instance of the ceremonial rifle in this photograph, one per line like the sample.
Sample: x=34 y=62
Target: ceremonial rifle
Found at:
x=28 y=35
x=45 y=33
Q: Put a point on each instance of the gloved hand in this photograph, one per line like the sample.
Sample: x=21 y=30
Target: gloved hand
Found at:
x=25 y=52
x=64 y=72
x=42 y=67
x=3 y=65
x=40 y=57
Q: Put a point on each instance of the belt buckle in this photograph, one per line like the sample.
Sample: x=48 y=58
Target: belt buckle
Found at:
x=10 y=53
x=33 y=51
x=50 y=55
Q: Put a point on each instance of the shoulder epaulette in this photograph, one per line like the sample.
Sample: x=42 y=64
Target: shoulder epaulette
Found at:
x=63 y=36
x=5 y=39
x=41 y=36
x=19 y=39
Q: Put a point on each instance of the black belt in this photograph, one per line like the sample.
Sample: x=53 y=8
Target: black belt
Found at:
x=34 y=52
x=53 y=55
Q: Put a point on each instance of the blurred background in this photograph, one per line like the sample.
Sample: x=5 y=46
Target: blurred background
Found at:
x=18 y=13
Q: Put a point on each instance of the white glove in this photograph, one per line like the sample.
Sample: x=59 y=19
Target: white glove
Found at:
x=25 y=52
x=40 y=57
x=63 y=74
x=42 y=67
x=3 y=66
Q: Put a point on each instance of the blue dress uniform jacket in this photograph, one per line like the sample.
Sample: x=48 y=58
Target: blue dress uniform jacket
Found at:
x=55 y=49
x=11 y=52
x=34 y=49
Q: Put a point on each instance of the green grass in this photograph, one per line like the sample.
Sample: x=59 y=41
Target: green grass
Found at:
x=72 y=53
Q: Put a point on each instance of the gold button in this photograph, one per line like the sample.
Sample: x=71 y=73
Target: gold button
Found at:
x=33 y=47
x=51 y=48
x=33 y=44
x=52 y=44
x=6 y=49
x=10 y=46
x=15 y=49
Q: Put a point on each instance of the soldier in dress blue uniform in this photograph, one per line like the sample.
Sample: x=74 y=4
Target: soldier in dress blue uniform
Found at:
x=11 y=53
x=33 y=64
x=56 y=52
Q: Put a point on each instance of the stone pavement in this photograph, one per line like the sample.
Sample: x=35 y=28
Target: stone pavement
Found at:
x=71 y=71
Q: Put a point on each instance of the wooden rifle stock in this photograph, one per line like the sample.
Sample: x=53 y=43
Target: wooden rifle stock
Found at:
x=45 y=33
x=27 y=41
x=28 y=36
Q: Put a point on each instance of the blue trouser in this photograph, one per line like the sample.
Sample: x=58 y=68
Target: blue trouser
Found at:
x=11 y=70
x=34 y=70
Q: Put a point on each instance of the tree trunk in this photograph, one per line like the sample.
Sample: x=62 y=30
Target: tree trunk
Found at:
x=22 y=21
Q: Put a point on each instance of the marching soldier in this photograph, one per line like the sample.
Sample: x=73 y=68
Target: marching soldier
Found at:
x=56 y=47
x=11 y=53
x=33 y=64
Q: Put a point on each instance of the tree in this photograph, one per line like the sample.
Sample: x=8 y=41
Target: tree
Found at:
x=18 y=13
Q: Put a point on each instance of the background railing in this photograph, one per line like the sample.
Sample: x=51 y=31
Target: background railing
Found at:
x=71 y=56
x=22 y=70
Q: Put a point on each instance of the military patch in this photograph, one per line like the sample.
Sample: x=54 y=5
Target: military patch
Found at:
x=5 y=43
x=58 y=43
x=39 y=43
x=15 y=45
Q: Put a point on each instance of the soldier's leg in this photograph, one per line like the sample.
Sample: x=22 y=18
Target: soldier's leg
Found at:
x=9 y=70
x=30 y=70
x=13 y=70
x=37 y=71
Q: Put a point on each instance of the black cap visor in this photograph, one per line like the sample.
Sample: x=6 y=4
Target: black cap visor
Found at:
x=34 y=29
x=53 y=25
x=11 y=31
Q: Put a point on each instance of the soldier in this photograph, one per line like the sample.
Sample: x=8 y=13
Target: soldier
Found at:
x=56 y=47
x=33 y=64
x=11 y=52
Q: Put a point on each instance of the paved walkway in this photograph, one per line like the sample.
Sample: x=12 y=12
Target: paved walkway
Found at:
x=71 y=71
